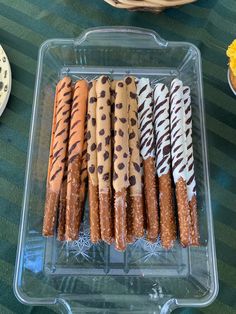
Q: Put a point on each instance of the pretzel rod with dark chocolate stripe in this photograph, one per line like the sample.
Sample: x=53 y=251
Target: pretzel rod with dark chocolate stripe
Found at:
x=135 y=177
x=75 y=149
x=52 y=133
x=147 y=148
x=83 y=177
x=60 y=142
x=61 y=227
x=179 y=159
x=121 y=164
x=191 y=181
x=163 y=164
x=103 y=139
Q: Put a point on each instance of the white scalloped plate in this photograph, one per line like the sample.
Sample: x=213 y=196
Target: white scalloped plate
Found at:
x=5 y=80
x=230 y=84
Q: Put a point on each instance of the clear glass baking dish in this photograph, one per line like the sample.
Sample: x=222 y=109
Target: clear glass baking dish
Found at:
x=80 y=277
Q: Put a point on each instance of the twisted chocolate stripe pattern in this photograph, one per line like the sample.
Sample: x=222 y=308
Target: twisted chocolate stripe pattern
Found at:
x=191 y=182
x=61 y=131
x=145 y=114
x=84 y=171
x=178 y=141
x=162 y=129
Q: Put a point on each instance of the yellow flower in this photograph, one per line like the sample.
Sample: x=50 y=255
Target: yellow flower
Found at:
x=231 y=51
x=232 y=64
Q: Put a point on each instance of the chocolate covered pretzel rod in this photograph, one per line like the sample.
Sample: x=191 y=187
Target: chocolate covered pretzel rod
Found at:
x=75 y=149
x=179 y=159
x=121 y=164
x=191 y=181
x=103 y=138
x=135 y=178
x=60 y=142
x=94 y=219
x=163 y=162
x=147 y=147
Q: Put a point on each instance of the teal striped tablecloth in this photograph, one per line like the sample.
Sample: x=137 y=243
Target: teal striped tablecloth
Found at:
x=210 y=24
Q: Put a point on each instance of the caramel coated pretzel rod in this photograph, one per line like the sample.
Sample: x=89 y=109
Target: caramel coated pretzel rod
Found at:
x=59 y=151
x=75 y=149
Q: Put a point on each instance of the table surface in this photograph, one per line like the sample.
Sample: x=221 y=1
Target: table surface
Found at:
x=211 y=25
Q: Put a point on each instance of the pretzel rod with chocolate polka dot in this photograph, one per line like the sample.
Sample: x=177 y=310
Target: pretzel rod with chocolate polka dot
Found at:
x=161 y=120
x=103 y=139
x=179 y=159
x=135 y=177
x=147 y=148
x=121 y=164
x=75 y=149
x=94 y=219
x=113 y=96
x=60 y=142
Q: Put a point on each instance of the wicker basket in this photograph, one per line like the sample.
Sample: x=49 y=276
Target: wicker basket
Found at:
x=149 y=5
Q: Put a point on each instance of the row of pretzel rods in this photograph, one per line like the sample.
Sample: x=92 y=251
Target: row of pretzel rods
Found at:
x=129 y=141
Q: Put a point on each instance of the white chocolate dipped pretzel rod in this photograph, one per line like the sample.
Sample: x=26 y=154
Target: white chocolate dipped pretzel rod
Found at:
x=179 y=159
x=161 y=120
x=191 y=181
x=147 y=147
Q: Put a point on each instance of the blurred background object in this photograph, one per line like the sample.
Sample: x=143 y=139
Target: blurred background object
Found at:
x=5 y=80
x=147 y=5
